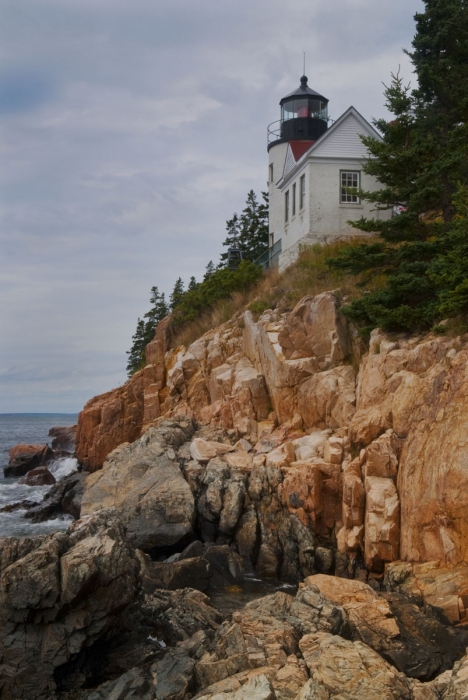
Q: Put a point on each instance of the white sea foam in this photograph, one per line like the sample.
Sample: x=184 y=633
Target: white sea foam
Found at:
x=62 y=467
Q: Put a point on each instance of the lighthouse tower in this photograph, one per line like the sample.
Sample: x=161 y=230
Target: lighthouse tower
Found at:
x=304 y=119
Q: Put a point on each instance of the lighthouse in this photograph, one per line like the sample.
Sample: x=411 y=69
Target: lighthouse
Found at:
x=315 y=172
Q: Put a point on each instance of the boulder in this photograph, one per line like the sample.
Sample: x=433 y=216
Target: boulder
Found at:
x=61 y=593
x=63 y=498
x=64 y=438
x=144 y=483
x=225 y=565
x=444 y=589
x=39 y=476
x=352 y=670
x=186 y=573
x=23 y=458
x=416 y=643
x=133 y=685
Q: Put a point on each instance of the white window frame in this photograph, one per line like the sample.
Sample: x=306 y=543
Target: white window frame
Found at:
x=302 y=191
x=271 y=172
x=286 y=206
x=349 y=179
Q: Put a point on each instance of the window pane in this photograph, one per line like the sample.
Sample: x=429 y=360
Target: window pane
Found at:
x=301 y=108
x=288 y=110
x=349 y=180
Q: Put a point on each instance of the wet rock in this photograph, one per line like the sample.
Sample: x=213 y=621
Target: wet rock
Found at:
x=145 y=485
x=186 y=573
x=177 y=615
x=444 y=590
x=417 y=644
x=226 y=565
x=64 y=498
x=64 y=438
x=40 y=476
x=23 y=458
x=428 y=648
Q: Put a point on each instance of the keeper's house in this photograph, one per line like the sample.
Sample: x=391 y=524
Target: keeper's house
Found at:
x=312 y=167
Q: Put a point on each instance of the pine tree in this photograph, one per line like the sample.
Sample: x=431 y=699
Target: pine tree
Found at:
x=177 y=294
x=254 y=227
x=233 y=235
x=249 y=232
x=136 y=353
x=422 y=162
x=209 y=271
x=193 y=284
x=158 y=311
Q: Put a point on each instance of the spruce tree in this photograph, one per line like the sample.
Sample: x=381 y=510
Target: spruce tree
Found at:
x=158 y=311
x=177 y=294
x=249 y=232
x=254 y=227
x=209 y=271
x=136 y=353
x=422 y=162
x=233 y=235
x=193 y=284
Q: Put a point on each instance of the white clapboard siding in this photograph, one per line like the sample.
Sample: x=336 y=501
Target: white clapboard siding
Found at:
x=343 y=141
x=289 y=162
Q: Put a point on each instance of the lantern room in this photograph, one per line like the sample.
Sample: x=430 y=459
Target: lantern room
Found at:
x=304 y=114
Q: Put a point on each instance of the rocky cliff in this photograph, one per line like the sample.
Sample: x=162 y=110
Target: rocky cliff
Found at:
x=386 y=479
x=280 y=446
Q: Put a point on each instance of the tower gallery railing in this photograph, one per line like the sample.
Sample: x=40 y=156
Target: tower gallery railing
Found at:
x=270 y=257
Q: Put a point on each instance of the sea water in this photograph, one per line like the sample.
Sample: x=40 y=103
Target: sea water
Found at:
x=30 y=429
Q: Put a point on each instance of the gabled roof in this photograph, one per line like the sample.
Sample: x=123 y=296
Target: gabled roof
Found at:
x=339 y=141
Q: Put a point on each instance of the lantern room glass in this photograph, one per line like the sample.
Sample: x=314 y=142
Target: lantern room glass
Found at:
x=305 y=107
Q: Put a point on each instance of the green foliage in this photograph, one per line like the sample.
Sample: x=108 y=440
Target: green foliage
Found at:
x=145 y=331
x=136 y=353
x=249 y=232
x=177 y=294
x=219 y=285
x=422 y=164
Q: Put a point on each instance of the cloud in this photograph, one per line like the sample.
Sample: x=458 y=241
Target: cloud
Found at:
x=130 y=133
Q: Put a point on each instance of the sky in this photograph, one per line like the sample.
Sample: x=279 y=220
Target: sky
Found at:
x=130 y=131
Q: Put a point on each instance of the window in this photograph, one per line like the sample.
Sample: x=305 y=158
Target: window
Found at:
x=271 y=172
x=272 y=240
x=294 y=199
x=302 y=192
x=286 y=206
x=349 y=181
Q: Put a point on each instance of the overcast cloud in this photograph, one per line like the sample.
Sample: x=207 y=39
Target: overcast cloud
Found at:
x=130 y=131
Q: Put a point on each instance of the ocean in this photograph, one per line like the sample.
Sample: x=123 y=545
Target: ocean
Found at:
x=30 y=428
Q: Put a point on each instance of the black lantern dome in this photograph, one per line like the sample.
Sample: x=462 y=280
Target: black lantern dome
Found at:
x=304 y=114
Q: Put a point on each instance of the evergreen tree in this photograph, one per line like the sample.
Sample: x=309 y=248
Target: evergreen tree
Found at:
x=209 y=271
x=422 y=163
x=158 y=311
x=249 y=232
x=193 y=284
x=254 y=227
x=136 y=353
x=177 y=294
x=145 y=331
x=233 y=235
